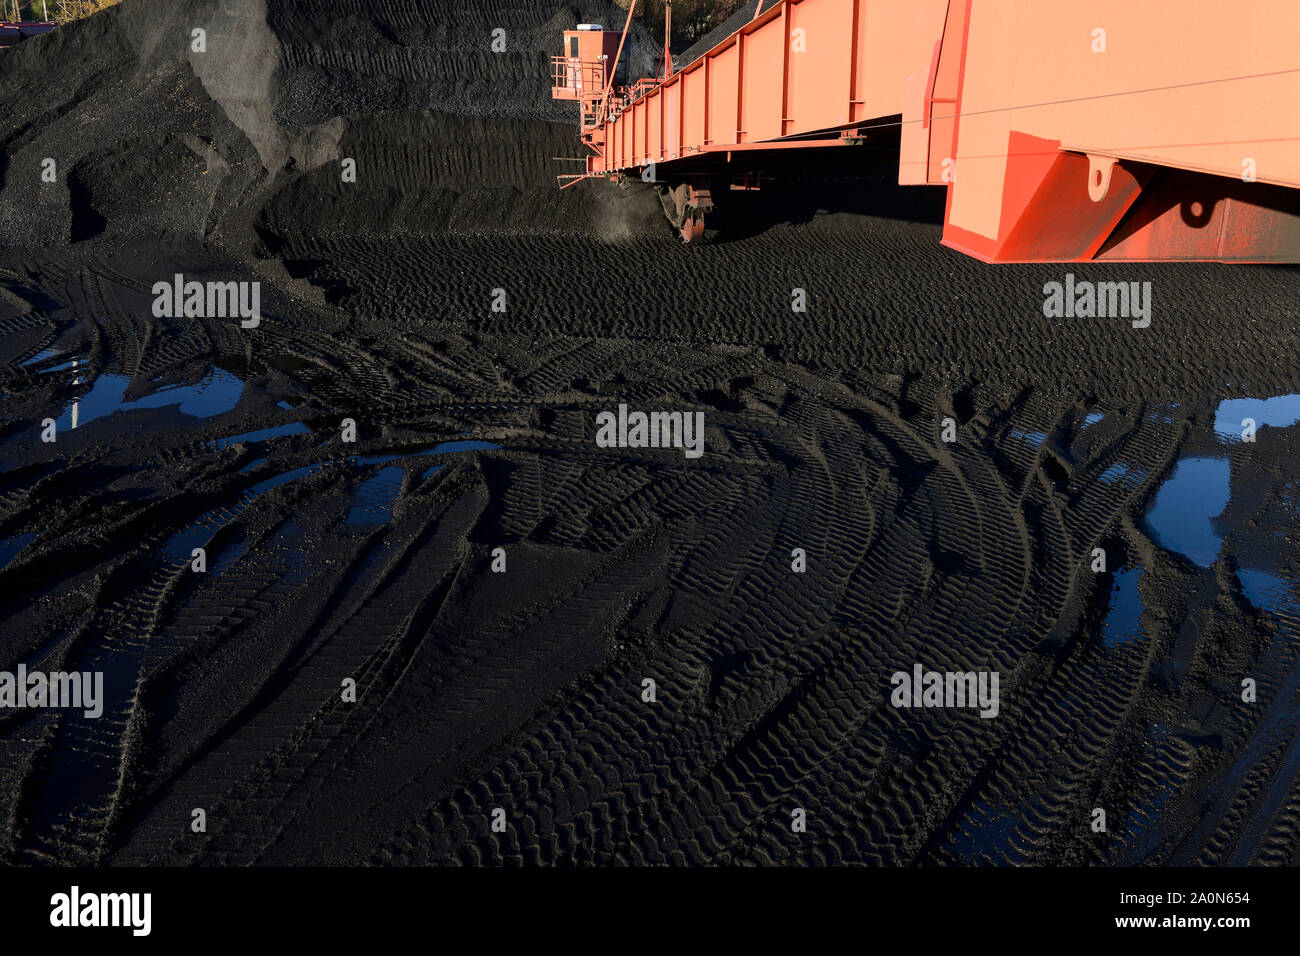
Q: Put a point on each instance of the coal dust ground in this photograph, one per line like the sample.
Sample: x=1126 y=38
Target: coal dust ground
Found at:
x=371 y=561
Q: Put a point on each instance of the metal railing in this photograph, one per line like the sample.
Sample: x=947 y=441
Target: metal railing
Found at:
x=586 y=78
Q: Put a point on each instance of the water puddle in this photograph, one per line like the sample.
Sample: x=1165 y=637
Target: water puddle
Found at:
x=293 y=428
x=446 y=448
x=1270 y=592
x=1280 y=411
x=216 y=394
x=1199 y=489
x=9 y=547
x=1124 y=620
x=1120 y=472
x=1032 y=439
x=1164 y=413
x=40 y=356
x=376 y=496
x=1196 y=492
x=385 y=459
x=45 y=355
x=226 y=559
x=283 y=478
x=181 y=545
x=452 y=447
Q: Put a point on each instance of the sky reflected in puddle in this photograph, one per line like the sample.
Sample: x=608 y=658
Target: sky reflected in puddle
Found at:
x=216 y=394
x=1197 y=491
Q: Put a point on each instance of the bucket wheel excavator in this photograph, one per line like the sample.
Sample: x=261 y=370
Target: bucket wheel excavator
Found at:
x=1061 y=132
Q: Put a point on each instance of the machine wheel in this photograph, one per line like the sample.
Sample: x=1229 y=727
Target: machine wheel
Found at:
x=693 y=229
x=686 y=206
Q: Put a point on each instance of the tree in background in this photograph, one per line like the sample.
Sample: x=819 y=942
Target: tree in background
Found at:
x=692 y=19
x=61 y=11
x=76 y=9
x=27 y=10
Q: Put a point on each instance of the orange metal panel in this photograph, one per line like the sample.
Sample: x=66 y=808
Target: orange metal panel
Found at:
x=695 y=91
x=638 y=134
x=1059 y=221
x=1198 y=85
x=857 y=43
x=821 y=46
x=740 y=85
x=896 y=40
x=673 y=120
x=914 y=139
x=643 y=120
x=724 y=90
x=628 y=119
x=624 y=145
x=760 y=108
x=655 y=140
x=941 y=113
x=1186 y=216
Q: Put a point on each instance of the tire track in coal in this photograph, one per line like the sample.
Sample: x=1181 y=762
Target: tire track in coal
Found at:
x=603 y=814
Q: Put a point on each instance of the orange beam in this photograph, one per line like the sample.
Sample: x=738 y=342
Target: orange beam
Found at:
x=821 y=45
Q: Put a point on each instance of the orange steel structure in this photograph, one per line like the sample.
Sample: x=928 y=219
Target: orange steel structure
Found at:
x=1151 y=130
